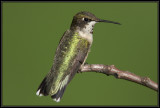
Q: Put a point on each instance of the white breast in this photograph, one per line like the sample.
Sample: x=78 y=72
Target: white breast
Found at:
x=87 y=31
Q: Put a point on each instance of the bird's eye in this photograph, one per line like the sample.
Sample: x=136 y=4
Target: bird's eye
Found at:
x=86 y=19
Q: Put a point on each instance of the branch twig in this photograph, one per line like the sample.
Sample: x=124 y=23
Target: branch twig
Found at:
x=112 y=70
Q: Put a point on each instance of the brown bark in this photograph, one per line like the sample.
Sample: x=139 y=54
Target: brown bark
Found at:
x=112 y=70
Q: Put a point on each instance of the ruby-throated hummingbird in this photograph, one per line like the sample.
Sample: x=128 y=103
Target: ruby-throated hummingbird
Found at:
x=71 y=55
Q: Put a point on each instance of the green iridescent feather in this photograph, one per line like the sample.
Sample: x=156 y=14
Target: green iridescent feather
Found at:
x=72 y=48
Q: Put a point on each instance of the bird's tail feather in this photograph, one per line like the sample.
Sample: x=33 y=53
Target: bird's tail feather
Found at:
x=45 y=86
x=62 y=86
x=57 y=97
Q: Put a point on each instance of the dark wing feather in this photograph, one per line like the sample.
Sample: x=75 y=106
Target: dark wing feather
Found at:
x=81 y=55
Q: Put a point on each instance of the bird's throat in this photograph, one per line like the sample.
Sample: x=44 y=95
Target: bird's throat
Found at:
x=87 y=31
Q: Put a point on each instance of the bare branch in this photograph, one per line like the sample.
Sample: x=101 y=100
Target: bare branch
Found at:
x=112 y=70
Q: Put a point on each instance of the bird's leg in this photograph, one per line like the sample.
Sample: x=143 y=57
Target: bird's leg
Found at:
x=79 y=71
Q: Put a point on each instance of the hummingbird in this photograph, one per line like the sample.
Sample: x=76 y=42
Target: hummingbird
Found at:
x=70 y=55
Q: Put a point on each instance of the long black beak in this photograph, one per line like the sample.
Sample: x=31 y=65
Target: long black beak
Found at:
x=107 y=21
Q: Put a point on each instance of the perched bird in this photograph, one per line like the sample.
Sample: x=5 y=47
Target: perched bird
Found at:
x=70 y=55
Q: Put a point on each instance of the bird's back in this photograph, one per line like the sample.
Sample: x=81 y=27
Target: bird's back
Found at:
x=70 y=55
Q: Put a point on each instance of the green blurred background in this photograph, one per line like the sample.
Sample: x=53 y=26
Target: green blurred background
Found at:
x=31 y=32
